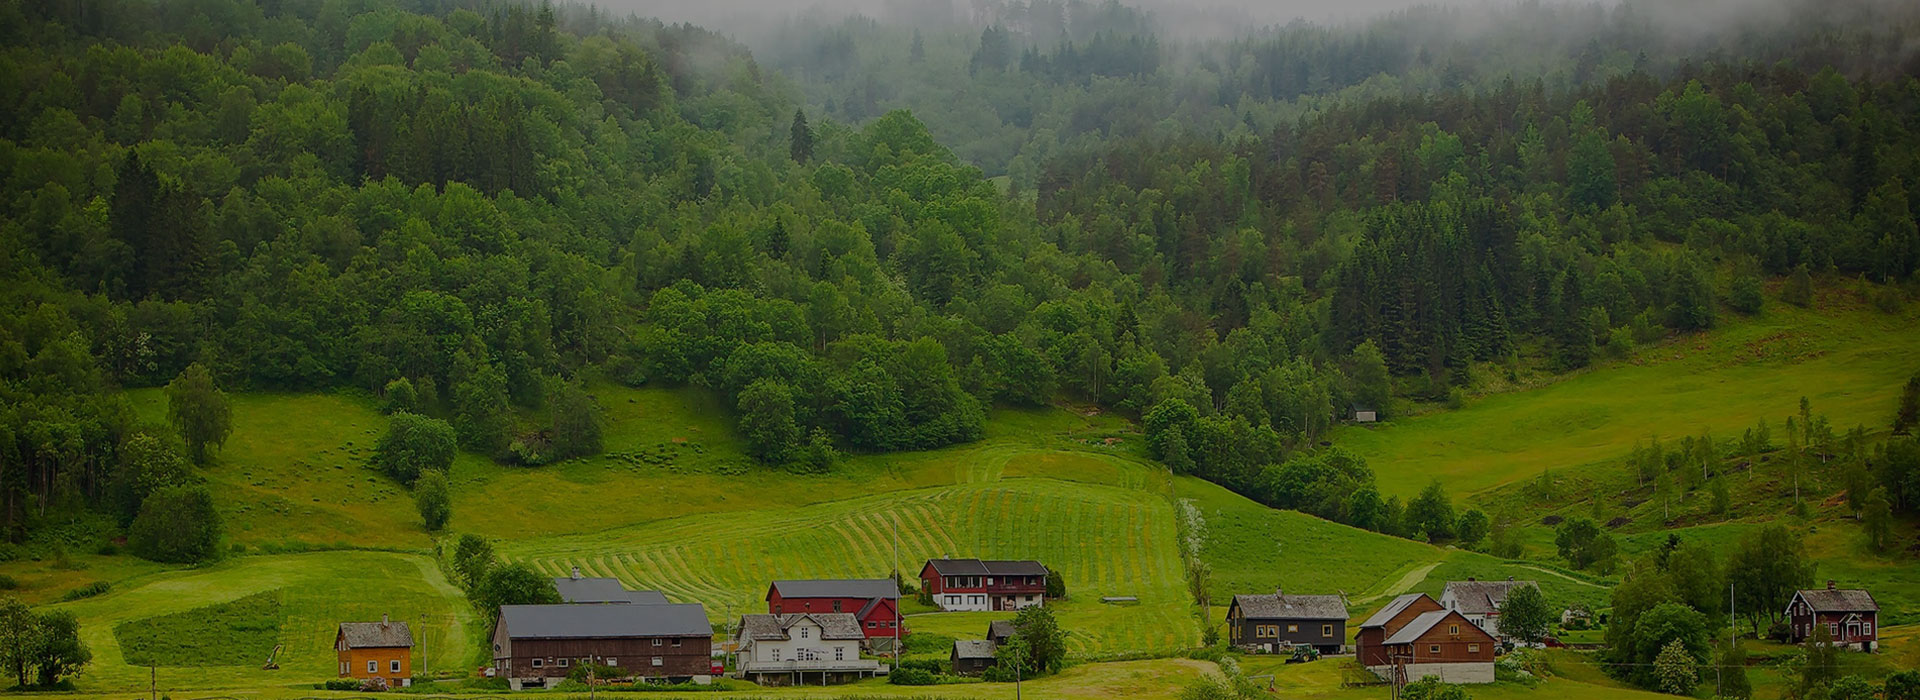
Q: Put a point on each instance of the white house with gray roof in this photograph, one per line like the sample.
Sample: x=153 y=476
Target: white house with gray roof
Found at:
x=800 y=648
x=1479 y=601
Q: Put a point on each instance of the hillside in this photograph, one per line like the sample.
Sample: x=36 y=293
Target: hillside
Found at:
x=1846 y=357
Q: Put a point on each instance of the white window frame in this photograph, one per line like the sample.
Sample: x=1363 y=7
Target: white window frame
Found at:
x=393 y=665
x=536 y=663
x=839 y=653
x=659 y=661
x=656 y=641
x=345 y=668
x=612 y=661
x=676 y=642
x=563 y=662
x=373 y=666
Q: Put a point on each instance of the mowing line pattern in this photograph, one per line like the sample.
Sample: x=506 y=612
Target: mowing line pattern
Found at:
x=1102 y=539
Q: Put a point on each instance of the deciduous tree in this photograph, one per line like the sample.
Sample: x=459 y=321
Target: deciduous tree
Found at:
x=199 y=411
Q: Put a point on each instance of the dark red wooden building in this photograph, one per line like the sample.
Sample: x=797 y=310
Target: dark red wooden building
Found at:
x=872 y=601
x=974 y=584
x=1850 y=615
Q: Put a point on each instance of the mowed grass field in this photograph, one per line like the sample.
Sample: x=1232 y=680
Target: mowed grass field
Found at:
x=1104 y=540
x=312 y=594
x=1849 y=361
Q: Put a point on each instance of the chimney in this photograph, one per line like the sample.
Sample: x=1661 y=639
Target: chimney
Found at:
x=1829 y=584
x=576 y=573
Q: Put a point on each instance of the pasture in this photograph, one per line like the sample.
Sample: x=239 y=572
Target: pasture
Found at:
x=185 y=621
x=1849 y=361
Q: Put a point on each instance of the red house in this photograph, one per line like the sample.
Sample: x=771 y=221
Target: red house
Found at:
x=872 y=601
x=972 y=584
x=1850 y=615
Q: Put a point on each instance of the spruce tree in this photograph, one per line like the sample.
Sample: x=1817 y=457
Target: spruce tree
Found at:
x=801 y=147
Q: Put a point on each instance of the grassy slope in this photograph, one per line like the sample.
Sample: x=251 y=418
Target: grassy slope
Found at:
x=316 y=592
x=1849 y=361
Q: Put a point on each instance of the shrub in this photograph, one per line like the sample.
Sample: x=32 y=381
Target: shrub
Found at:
x=88 y=591
x=414 y=444
x=911 y=676
x=338 y=684
x=401 y=398
x=9 y=583
x=431 y=497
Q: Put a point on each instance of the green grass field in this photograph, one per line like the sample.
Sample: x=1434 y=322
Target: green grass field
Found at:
x=313 y=594
x=1849 y=361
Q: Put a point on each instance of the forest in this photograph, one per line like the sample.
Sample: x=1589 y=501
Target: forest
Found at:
x=472 y=209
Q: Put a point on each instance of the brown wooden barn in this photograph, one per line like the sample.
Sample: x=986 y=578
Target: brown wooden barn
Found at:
x=537 y=643
x=1441 y=644
x=1372 y=638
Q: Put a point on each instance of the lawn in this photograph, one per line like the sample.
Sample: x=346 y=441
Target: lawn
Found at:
x=198 y=610
x=1850 y=362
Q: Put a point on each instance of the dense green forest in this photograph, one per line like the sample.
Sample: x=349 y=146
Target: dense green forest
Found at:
x=472 y=208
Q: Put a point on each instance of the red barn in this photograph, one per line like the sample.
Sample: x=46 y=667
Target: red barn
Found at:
x=872 y=601
x=972 y=584
x=1850 y=615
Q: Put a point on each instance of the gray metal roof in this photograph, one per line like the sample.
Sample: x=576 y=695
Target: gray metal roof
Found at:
x=987 y=567
x=973 y=649
x=1001 y=629
x=1839 y=600
x=838 y=588
x=376 y=635
x=1481 y=597
x=1419 y=626
x=1385 y=615
x=603 y=590
x=779 y=627
x=1294 y=607
x=596 y=621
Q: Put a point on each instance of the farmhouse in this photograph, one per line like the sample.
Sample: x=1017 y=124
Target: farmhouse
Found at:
x=1850 y=614
x=972 y=584
x=382 y=650
x=873 y=602
x=973 y=656
x=581 y=589
x=1371 y=640
x=789 y=649
x=1273 y=622
x=1480 y=601
x=536 y=643
x=1439 y=644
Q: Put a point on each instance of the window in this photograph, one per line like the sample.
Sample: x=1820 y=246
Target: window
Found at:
x=1453 y=630
x=613 y=661
x=805 y=633
x=871 y=624
x=1326 y=630
x=1291 y=629
x=656 y=641
x=657 y=661
x=1473 y=648
x=836 y=606
x=373 y=666
x=676 y=642
x=536 y=663
x=343 y=668
x=839 y=653
x=393 y=666
x=1433 y=649
x=776 y=653
x=563 y=663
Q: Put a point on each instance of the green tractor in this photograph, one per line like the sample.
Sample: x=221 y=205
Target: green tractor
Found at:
x=1303 y=653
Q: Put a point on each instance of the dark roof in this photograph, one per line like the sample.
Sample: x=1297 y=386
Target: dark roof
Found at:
x=1001 y=629
x=988 y=567
x=1839 y=600
x=838 y=588
x=590 y=590
x=594 y=621
x=1385 y=615
x=973 y=649
x=1481 y=597
x=1294 y=607
x=775 y=627
x=1427 y=621
x=376 y=635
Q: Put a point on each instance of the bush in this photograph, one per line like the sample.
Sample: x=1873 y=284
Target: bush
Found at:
x=911 y=676
x=9 y=583
x=414 y=444
x=600 y=672
x=401 y=397
x=88 y=591
x=338 y=684
x=432 y=499
x=176 y=525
